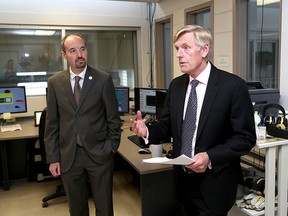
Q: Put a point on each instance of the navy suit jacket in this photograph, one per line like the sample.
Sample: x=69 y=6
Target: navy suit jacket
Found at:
x=96 y=118
x=226 y=131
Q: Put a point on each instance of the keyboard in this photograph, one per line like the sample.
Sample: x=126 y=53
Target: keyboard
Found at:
x=136 y=140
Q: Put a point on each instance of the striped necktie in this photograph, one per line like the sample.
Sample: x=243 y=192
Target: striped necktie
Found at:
x=77 y=89
x=77 y=92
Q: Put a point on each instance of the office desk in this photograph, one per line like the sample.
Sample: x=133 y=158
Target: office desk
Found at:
x=156 y=180
x=29 y=131
x=270 y=175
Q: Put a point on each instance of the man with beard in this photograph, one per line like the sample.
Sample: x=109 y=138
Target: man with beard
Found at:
x=82 y=130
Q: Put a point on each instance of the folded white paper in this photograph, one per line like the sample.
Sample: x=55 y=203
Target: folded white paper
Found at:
x=13 y=127
x=181 y=160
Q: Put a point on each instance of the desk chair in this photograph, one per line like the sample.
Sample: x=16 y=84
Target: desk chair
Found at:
x=60 y=189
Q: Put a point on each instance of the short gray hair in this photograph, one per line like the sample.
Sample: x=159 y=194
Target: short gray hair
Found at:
x=201 y=34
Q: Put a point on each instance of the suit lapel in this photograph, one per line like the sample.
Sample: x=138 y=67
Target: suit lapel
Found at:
x=210 y=95
x=89 y=81
x=181 y=94
x=67 y=86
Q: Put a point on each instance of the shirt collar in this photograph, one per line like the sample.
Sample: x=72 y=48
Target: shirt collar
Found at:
x=204 y=75
x=81 y=74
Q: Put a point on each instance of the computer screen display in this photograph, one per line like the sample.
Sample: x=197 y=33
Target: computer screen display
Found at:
x=122 y=95
x=13 y=99
x=145 y=100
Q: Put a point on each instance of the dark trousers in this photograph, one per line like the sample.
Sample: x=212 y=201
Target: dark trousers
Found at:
x=190 y=199
x=84 y=171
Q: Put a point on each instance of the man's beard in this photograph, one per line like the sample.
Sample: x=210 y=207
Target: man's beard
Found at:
x=80 y=63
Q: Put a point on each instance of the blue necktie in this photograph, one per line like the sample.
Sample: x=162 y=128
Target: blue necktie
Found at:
x=189 y=123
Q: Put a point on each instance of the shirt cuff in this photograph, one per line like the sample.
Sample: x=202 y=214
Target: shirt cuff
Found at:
x=146 y=139
x=210 y=165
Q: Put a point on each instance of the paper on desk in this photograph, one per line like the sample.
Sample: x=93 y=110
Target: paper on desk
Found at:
x=181 y=160
x=10 y=127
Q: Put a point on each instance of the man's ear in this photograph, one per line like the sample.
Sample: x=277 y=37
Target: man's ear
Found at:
x=63 y=54
x=205 y=50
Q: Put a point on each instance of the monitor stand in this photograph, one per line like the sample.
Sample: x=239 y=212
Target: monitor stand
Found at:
x=8 y=117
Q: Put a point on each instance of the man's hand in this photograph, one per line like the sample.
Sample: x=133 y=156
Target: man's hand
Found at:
x=138 y=126
x=201 y=162
x=55 y=169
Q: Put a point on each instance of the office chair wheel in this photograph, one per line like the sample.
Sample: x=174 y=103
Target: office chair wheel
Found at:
x=45 y=204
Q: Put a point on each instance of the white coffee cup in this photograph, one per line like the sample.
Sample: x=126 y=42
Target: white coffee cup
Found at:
x=156 y=150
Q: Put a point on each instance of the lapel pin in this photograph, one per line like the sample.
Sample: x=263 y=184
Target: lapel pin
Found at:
x=90 y=77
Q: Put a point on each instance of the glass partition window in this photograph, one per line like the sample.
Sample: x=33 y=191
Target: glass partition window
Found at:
x=113 y=52
x=257 y=36
x=163 y=52
x=28 y=57
x=199 y=17
x=263 y=41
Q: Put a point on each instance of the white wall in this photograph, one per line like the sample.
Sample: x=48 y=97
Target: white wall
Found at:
x=223 y=34
x=79 y=13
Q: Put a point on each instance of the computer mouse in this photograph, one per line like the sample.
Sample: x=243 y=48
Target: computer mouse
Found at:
x=144 y=151
x=169 y=154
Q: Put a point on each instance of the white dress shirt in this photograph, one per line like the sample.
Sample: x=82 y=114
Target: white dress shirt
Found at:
x=72 y=76
x=200 y=90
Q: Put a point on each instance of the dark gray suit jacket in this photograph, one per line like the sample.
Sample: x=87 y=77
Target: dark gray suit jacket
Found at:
x=226 y=131
x=96 y=119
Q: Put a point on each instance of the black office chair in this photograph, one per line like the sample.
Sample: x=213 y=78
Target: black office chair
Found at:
x=60 y=189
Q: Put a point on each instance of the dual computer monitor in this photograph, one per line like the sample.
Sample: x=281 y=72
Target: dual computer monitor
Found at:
x=148 y=100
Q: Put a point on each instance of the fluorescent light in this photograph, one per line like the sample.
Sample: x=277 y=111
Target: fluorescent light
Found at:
x=23 y=32
x=33 y=32
x=266 y=2
x=37 y=73
x=44 y=32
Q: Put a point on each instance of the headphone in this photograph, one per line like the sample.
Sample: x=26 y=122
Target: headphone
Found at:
x=280 y=122
x=276 y=125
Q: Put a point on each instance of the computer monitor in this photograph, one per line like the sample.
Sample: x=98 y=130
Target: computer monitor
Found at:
x=261 y=96
x=12 y=100
x=122 y=95
x=160 y=100
x=145 y=100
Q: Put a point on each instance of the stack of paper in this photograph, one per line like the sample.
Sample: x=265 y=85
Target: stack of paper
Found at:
x=10 y=127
